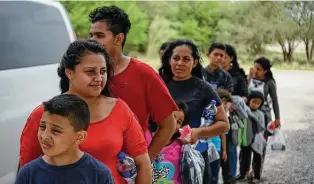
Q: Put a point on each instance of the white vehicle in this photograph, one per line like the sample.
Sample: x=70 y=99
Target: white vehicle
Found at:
x=33 y=37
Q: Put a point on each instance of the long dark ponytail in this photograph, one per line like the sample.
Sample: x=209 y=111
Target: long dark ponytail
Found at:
x=230 y=50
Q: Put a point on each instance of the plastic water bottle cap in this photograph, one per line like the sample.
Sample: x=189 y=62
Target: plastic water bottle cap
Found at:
x=213 y=102
x=121 y=155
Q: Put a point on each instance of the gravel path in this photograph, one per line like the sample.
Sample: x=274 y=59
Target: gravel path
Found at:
x=295 y=165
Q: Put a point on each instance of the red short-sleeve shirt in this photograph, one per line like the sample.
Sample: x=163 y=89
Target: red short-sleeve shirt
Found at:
x=120 y=131
x=144 y=91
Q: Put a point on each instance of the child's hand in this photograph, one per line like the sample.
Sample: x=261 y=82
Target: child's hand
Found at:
x=224 y=156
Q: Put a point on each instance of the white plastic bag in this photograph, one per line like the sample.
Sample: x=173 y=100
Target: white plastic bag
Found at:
x=277 y=141
x=213 y=155
x=192 y=165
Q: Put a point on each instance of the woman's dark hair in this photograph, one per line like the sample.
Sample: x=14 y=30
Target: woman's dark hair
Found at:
x=266 y=65
x=235 y=64
x=165 y=69
x=73 y=56
x=216 y=45
x=164 y=46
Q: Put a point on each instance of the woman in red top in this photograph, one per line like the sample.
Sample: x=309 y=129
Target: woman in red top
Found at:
x=84 y=71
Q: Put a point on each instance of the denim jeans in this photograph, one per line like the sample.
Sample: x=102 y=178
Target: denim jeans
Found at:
x=215 y=166
x=233 y=159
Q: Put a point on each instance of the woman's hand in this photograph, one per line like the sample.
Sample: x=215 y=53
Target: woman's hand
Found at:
x=277 y=123
x=195 y=135
x=252 y=72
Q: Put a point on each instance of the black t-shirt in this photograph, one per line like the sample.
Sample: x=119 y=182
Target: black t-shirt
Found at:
x=196 y=93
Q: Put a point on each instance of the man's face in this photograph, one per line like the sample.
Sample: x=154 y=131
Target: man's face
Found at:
x=99 y=31
x=216 y=57
x=56 y=135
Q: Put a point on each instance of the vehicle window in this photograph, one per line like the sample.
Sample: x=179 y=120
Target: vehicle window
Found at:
x=30 y=34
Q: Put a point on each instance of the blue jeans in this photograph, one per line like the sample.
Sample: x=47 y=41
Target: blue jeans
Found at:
x=233 y=159
x=215 y=166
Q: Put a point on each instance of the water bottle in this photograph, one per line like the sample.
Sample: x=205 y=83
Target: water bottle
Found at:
x=127 y=168
x=207 y=119
x=209 y=114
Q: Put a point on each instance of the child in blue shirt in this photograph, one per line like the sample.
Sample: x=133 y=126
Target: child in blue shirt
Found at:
x=62 y=128
x=220 y=143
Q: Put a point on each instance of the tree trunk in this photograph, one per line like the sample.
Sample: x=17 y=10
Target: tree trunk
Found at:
x=290 y=52
x=307 y=49
x=284 y=51
x=311 y=51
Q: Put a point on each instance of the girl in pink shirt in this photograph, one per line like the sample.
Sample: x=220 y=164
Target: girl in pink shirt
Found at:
x=166 y=166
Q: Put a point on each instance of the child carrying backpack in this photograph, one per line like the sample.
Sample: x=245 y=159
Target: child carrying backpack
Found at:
x=252 y=140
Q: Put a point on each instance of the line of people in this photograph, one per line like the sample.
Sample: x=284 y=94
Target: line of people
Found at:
x=110 y=103
x=248 y=101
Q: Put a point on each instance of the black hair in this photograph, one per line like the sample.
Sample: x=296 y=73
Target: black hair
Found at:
x=181 y=106
x=256 y=95
x=265 y=63
x=216 y=45
x=165 y=69
x=73 y=56
x=185 y=109
x=118 y=21
x=71 y=107
x=164 y=46
x=235 y=64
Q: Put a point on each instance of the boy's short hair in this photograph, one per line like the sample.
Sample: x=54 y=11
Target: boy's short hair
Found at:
x=72 y=107
x=117 y=20
x=225 y=95
x=216 y=45
x=256 y=94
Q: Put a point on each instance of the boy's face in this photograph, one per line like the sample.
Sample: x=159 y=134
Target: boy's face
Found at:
x=216 y=57
x=57 y=136
x=255 y=103
x=179 y=115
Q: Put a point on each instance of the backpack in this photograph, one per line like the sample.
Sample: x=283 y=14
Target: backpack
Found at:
x=256 y=85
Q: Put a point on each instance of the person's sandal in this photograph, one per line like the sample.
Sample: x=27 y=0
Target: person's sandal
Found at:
x=250 y=177
x=239 y=177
